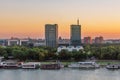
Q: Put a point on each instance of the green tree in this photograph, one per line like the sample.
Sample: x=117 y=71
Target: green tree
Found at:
x=65 y=55
x=18 y=54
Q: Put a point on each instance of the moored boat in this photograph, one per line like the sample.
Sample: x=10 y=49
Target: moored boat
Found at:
x=30 y=65
x=10 y=65
x=50 y=66
x=84 y=65
x=113 y=66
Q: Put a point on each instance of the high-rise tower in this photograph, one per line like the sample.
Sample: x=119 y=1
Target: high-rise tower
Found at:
x=51 y=35
x=76 y=34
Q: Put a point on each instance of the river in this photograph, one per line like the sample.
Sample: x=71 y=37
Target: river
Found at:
x=63 y=74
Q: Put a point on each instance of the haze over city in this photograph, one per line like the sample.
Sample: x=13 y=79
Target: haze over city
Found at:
x=27 y=18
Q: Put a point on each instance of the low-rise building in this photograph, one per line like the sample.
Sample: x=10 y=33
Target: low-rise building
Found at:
x=39 y=42
x=63 y=42
x=112 y=41
x=23 y=42
x=13 y=42
x=69 y=48
x=17 y=41
x=3 y=42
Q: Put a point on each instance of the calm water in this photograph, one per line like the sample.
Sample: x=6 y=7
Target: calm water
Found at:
x=63 y=74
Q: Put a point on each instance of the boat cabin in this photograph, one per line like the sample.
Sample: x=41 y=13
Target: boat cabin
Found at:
x=30 y=65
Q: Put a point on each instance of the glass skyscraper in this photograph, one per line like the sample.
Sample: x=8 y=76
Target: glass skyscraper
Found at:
x=76 y=34
x=51 y=35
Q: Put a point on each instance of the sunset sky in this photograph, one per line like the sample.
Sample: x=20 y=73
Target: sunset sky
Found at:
x=26 y=18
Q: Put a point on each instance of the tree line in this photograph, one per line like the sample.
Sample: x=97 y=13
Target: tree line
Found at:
x=22 y=53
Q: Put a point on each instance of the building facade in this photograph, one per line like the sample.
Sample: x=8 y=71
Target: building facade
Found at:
x=51 y=35
x=87 y=40
x=17 y=42
x=63 y=42
x=70 y=48
x=98 y=40
x=75 y=35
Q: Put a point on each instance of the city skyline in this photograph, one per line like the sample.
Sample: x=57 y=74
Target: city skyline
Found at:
x=27 y=18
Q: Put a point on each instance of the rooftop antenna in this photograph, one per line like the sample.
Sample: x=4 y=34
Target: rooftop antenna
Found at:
x=78 y=21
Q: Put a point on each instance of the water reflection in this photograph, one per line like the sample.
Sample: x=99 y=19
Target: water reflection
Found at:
x=63 y=74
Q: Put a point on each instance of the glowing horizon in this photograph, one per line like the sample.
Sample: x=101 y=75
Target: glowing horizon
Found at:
x=26 y=18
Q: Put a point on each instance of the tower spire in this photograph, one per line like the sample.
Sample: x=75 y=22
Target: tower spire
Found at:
x=78 y=21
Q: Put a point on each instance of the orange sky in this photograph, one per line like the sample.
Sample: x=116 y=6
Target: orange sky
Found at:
x=27 y=18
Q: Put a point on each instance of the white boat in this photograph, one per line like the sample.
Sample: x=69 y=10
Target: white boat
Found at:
x=10 y=65
x=30 y=65
x=82 y=65
x=113 y=66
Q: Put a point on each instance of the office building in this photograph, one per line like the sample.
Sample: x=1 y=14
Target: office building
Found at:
x=87 y=40
x=99 y=40
x=51 y=35
x=76 y=34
